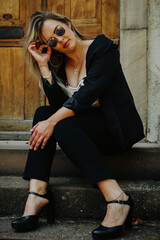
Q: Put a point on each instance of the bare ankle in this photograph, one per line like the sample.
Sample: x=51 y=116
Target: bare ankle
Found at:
x=38 y=186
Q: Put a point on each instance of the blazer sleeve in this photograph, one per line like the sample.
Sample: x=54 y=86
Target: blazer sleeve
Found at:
x=99 y=77
x=54 y=93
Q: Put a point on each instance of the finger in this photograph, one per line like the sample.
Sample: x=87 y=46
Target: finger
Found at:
x=38 y=142
x=31 y=46
x=49 y=50
x=45 y=140
x=34 y=128
x=42 y=47
x=35 y=140
x=34 y=136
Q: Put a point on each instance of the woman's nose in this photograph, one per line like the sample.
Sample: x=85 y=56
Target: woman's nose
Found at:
x=59 y=38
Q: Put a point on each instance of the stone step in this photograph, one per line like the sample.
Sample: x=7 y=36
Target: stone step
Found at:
x=15 y=135
x=76 y=199
x=141 y=162
x=75 y=230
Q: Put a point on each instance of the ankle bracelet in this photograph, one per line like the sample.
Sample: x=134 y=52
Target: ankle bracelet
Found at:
x=118 y=195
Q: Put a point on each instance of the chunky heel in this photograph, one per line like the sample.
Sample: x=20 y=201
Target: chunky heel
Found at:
x=30 y=222
x=50 y=210
x=128 y=223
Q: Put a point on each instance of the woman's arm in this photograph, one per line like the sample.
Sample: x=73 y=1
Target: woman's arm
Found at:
x=43 y=130
x=99 y=78
x=41 y=58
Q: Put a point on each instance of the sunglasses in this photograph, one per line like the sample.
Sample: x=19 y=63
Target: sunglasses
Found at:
x=52 y=42
x=59 y=31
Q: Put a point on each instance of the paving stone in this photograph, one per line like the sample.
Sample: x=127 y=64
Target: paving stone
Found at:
x=75 y=230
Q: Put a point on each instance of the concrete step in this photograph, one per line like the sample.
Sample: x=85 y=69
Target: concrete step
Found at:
x=75 y=230
x=76 y=199
x=141 y=162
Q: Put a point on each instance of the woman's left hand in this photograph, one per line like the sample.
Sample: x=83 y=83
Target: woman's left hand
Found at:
x=41 y=132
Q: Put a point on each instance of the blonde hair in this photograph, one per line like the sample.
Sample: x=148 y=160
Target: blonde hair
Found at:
x=34 y=32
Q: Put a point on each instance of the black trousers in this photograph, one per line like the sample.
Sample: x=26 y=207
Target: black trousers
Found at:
x=84 y=139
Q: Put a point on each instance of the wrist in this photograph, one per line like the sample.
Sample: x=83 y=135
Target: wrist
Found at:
x=52 y=121
x=43 y=65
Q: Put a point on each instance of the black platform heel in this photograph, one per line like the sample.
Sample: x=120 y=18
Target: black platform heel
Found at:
x=30 y=222
x=104 y=233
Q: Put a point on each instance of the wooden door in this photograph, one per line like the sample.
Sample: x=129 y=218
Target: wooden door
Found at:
x=19 y=91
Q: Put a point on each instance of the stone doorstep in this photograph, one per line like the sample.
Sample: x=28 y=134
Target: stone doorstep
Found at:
x=23 y=145
x=141 y=162
x=14 y=135
x=76 y=199
x=75 y=230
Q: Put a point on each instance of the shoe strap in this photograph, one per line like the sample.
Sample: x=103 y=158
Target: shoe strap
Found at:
x=45 y=195
x=120 y=202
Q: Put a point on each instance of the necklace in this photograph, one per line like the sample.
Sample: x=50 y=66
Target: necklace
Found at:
x=75 y=67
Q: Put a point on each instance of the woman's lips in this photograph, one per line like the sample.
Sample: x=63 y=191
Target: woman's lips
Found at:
x=66 y=43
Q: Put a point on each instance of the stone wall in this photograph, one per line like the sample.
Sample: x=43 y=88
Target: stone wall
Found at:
x=153 y=131
x=133 y=49
x=140 y=58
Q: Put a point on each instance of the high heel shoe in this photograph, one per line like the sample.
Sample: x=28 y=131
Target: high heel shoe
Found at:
x=30 y=222
x=104 y=233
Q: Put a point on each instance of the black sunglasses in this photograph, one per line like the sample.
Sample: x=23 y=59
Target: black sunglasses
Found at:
x=59 y=31
x=52 y=42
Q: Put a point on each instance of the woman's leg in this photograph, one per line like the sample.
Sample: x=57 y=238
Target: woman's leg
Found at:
x=81 y=138
x=116 y=213
x=35 y=203
x=38 y=166
x=39 y=162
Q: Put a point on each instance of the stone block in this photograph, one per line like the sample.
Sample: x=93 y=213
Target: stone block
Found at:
x=133 y=14
x=133 y=45
x=153 y=131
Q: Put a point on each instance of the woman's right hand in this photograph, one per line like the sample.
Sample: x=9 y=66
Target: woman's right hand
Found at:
x=39 y=56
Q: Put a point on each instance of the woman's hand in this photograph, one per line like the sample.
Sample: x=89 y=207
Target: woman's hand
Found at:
x=41 y=132
x=39 y=56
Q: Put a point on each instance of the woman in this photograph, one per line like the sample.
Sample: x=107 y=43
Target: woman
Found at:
x=91 y=113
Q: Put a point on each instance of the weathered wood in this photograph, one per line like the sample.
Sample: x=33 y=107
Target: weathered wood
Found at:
x=91 y=30
x=11 y=83
x=32 y=94
x=57 y=6
x=11 y=43
x=16 y=10
x=111 y=18
x=31 y=7
x=9 y=7
x=32 y=91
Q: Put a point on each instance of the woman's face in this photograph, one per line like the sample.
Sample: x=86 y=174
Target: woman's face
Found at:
x=51 y=30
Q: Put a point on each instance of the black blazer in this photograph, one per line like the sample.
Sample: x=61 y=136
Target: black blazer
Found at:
x=105 y=80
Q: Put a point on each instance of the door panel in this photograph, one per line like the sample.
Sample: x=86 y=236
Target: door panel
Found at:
x=12 y=13
x=33 y=94
x=11 y=83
